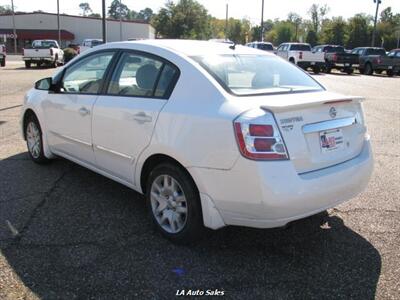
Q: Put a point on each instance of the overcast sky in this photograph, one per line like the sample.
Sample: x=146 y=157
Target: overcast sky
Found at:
x=250 y=9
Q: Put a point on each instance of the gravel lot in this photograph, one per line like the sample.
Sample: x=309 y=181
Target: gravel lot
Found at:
x=66 y=232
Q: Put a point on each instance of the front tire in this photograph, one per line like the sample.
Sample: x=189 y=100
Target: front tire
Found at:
x=34 y=140
x=27 y=64
x=174 y=203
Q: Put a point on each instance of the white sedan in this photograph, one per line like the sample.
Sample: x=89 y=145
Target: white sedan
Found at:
x=213 y=134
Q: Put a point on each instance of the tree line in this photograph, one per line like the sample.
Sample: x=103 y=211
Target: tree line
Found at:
x=188 y=19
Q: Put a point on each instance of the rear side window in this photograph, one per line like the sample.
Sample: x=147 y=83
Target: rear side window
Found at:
x=139 y=75
x=266 y=47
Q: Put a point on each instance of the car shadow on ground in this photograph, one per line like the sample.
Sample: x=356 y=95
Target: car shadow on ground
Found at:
x=70 y=233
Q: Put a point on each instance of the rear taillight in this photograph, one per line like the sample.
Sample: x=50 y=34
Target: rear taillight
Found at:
x=334 y=57
x=300 y=55
x=377 y=61
x=4 y=49
x=258 y=136
x=51 y=52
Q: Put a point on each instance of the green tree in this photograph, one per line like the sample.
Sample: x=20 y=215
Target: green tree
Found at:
x=117 y=10
x=85 y=7
x=312 y=37
x=334 y=31
x=5 y=9
x=284 y=31
x=296 y=20
x=187 y=19
x=145 y=14
x=359 y=31
x=317 y=14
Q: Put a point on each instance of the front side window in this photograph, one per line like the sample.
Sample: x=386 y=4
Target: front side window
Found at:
x=246 y=74
x=141 y=76
x=86 y=76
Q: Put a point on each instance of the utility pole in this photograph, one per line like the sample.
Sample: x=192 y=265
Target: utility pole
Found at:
x=58 y=23
x=376 y=19
x=226 y=22
x=14 y=29
x=104 y=21
x=120 y=20
x=262 y=21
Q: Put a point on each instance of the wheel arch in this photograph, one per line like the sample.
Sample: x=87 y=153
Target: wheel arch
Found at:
x=27 y=113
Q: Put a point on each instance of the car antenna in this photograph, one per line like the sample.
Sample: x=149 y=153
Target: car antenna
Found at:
x=233 y=46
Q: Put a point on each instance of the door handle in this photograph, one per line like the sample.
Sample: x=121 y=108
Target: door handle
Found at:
x=142 y=117
x=83 y=111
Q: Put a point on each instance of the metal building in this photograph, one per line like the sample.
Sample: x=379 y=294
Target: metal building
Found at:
x=74 y=29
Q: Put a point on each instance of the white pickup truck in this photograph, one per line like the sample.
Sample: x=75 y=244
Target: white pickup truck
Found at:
x=43 y=52
x=3 y=55
x=302 y=55
x=89 y=43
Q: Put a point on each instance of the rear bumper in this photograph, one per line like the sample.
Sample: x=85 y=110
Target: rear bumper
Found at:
x=343 y=65
x=308 y=64
x=38 y=59
x=272 y=194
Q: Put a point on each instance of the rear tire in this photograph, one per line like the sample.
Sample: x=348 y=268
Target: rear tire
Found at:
x=316 y=70
x=368 y=69
x=34 y=140
x=27 y=64
x=174 y=204
x=349 y=71
x=55 y=62
x=328 y=70
x=390 y=73
x=3 y=62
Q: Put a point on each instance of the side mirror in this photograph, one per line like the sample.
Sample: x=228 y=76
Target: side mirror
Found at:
x=45 y=84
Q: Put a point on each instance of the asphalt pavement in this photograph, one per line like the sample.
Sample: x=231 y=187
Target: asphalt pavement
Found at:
x=69 y=233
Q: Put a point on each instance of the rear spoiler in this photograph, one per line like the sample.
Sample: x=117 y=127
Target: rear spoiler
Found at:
x=289 y=105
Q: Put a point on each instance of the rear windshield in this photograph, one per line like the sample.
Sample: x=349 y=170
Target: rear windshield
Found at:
x=246 y=75
x=331 y=49
x=96 y=43
x=376 y=52
x=300 y=47
x=44 y=44
x=267 y=47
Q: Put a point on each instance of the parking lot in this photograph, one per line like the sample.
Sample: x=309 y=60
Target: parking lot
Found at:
x=66 y=232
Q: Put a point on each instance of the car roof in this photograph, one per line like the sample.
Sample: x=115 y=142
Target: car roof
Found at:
x=190 y=47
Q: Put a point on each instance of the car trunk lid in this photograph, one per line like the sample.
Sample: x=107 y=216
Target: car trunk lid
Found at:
x=319 y=129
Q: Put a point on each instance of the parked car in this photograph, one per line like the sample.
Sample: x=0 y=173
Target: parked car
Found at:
x=43 y=52
x=89 y=43
x=337 y=58
x=213 y=135
x=302 y=55
x=266 y=46
x=376 y=60
x=396 y=54
x=3 y=55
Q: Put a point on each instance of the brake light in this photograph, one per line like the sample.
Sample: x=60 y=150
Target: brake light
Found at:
x=334 y=57
x=300 y=55
x=377 y=61
x=51 y=52
x=258 y=136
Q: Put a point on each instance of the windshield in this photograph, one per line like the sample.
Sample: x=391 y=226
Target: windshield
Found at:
x=96 y=43
x=257 y=74
x=300 y=47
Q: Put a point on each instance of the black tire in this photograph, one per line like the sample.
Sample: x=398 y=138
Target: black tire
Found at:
x=37 y=158
x=55 y=62
x=291 y=60
x=193 y=227
x=349 y=71
x=316 y=69
x=390 y=73
x=368 y=69
x=27 y=64
x=328 y=70
x=3 y=62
